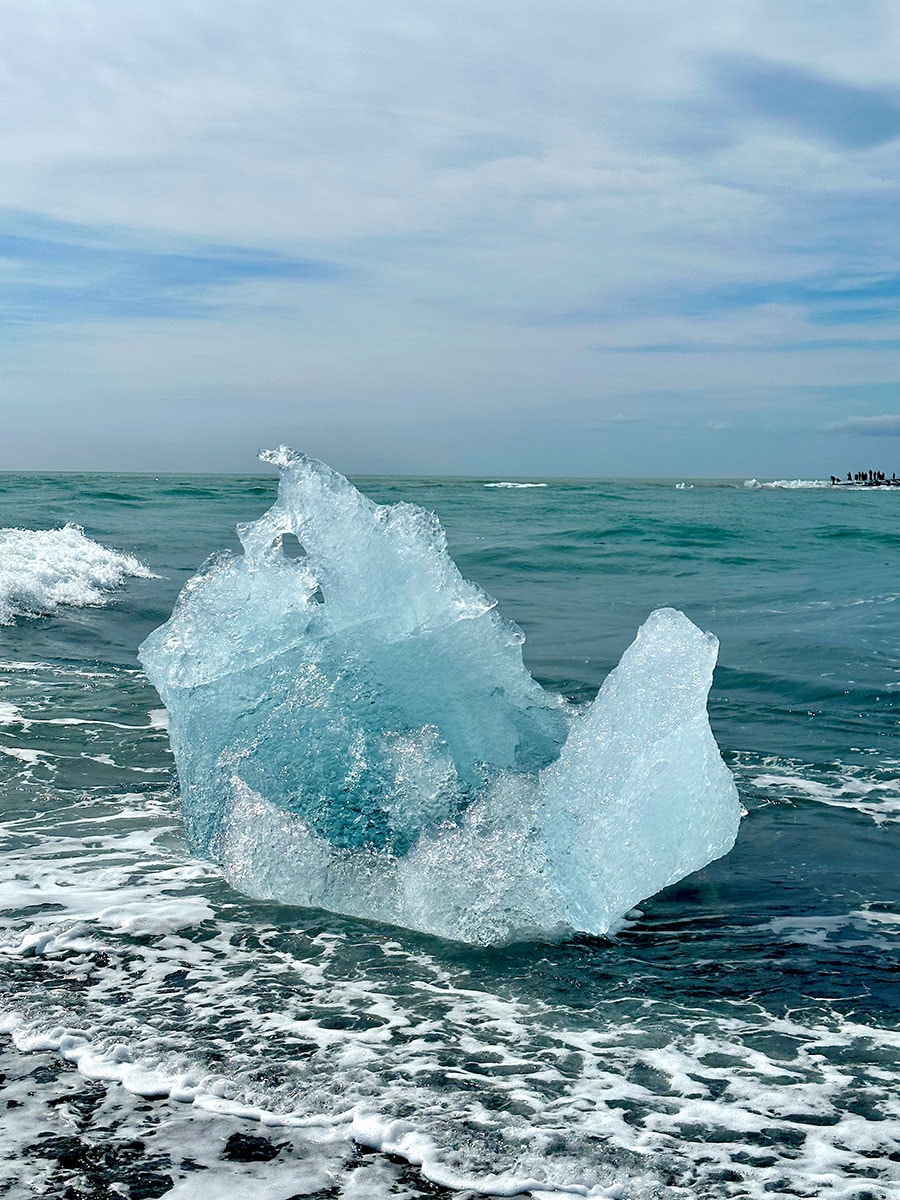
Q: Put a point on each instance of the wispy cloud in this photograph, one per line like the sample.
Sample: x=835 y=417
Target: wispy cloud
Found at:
x=610 y=422
x=809 y=102
x=770 y=346
x=887 y=425
x=825 y=300
x=55 y=270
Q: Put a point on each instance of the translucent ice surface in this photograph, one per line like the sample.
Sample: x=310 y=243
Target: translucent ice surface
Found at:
x=354 y=728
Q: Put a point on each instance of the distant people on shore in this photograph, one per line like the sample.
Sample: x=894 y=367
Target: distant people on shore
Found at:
x=867 y=478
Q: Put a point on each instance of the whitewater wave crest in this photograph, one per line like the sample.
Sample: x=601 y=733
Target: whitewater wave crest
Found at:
x=43 y=569
x=790 y=484
x=503 y=483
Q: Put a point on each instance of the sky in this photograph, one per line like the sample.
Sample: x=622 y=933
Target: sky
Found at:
x=586 y=237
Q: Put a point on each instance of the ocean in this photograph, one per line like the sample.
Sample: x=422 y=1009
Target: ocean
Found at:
x=738 y=1037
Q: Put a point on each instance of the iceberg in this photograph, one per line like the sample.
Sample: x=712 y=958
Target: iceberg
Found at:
x=354 y=729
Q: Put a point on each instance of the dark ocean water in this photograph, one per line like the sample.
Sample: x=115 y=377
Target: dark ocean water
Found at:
x=740 y=1037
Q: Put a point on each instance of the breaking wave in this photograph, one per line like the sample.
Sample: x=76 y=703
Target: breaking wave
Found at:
x=792 y=484
x=44 y=569
x=505 y=484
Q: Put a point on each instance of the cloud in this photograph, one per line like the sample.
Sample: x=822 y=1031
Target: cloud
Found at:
x=460 y=150
x=887 y=425
x=207 y=170
x=618 y=419
x=769 y=346
x=828 y=300
x=812 y=104
x=54 y=270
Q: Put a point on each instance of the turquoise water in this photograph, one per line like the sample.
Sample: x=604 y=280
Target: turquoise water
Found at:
x=740 y=1037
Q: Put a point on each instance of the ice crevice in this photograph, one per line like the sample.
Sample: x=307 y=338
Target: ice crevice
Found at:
x=354 y=729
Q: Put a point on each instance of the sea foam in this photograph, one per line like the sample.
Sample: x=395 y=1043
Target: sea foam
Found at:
x=788 y=484
x=507 y=484
x=43 y=569
x=355 y=729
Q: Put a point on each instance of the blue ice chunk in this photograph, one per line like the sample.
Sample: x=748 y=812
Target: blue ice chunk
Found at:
x=355 y=729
